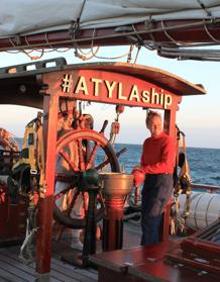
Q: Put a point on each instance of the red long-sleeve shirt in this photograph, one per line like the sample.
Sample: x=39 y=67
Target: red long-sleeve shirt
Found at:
x=158 y=154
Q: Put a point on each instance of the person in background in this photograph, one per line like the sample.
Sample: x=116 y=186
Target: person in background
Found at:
x=66 y=123
x=62 y=167
x=157 y=164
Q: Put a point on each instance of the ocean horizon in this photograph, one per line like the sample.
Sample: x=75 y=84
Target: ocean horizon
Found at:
x=204 y=162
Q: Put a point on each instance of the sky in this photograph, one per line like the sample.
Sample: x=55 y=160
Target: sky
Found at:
x=198 y=116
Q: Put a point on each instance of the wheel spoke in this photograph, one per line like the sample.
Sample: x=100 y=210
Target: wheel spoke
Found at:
x=78 y=152
x=66 y=157
x=69 y=209
x=62 y=177
x=92 y=156
x=61 y=193
x=107 y=161
x=81 y=155
x=102 y=165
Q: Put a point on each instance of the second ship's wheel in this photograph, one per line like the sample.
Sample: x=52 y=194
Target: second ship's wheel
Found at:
x=80 y=150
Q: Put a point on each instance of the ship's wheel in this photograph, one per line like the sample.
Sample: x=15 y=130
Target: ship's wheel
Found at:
x=80 y=150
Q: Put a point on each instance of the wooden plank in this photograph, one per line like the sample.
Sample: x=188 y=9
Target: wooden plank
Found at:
x=59 y=270
x=62 y=276
x=15 y=274
x=12 y=268
x=17 y=263
x=87 y=273
x=30 y=269
x=71 y=272
x=6 y=276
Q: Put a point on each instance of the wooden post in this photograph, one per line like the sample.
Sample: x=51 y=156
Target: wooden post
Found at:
x=46 y=203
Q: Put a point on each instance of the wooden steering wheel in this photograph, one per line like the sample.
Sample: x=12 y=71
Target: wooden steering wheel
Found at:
x=80 y=150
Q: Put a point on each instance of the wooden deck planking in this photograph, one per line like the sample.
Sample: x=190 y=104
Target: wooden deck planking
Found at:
x=6 y=276
x=13 y=270
x=20 y=274
x=88 y=273
x=72 y=272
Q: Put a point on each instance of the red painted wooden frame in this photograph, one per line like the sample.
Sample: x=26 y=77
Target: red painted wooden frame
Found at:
x=124 y=75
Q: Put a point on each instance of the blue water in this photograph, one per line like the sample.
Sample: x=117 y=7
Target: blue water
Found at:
x=204 y=163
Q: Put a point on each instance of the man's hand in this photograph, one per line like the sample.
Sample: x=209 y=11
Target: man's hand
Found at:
x=139 y=175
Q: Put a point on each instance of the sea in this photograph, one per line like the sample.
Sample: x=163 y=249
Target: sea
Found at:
x=204 y=163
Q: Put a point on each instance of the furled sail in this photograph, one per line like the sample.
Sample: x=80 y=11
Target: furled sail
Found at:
x=163 y=25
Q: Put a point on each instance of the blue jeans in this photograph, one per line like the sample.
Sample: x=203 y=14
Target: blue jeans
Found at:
x=155 y=195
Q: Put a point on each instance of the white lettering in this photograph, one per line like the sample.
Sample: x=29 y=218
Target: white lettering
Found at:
x=110 y=87
x=120 y=96
x=167 y=101
x=145 y=96
x=161 y=97
x=96 y=85
x=155 y=98
x=152 y=95
x=134 y=94
x=81 y=86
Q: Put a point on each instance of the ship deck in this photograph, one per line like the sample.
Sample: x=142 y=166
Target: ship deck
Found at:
x=13 y=270
x=132 y=264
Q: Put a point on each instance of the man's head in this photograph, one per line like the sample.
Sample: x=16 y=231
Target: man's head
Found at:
x=154 y=123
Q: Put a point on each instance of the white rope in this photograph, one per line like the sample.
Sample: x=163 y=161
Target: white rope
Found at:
x=210 y=35
x=168 y=35
x=26 y=250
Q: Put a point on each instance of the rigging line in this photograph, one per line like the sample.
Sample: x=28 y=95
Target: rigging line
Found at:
x=202 y=5
x=81 y=40
x=167 y=28
x=26 y=40
x=210 y=35
x=28 y=53
x=14 y=46
x=33 y=57
x=75 y=26
x=53 y=48
x=168 y=35
x=12 y=42
x=47 y=41
x=138 y=50
x=137 y=35
x=91 y=53
x=87 y=53
x=151 y=36
x=81 y=11
x=73 y=30
x=105 y=58
x=129 y=57
x=147 y=46
x=141 y=41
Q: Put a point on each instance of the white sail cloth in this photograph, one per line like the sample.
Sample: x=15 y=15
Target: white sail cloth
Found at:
x=22 y=17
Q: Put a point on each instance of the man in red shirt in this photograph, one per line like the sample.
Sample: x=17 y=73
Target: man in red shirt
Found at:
x=157 y=163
